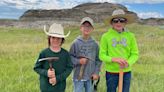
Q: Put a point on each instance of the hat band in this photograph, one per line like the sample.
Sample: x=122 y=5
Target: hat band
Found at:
x=56 y=33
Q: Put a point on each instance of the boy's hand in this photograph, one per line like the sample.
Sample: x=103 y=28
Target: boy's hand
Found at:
x=51 y=73
x=83 y=61
x=122 y=62
x=95 y=77
x=52 y=81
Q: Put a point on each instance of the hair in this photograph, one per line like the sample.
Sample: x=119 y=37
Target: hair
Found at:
x=50 y=43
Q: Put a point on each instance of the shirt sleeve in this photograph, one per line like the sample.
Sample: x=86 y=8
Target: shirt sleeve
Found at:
x=134 y=53
x=39 y=67
x=103 y=53
x=73 y=53
x=98 y=62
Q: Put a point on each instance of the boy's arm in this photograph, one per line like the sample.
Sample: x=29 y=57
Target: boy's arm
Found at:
x=73 y=53
x=38 y=67
x=103 y=53
x=98 y=62
x=134 y=53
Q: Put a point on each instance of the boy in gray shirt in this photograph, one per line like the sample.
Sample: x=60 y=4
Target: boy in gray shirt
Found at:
x=84 y=54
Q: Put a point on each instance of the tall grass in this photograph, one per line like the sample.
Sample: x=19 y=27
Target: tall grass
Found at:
x=19 y=49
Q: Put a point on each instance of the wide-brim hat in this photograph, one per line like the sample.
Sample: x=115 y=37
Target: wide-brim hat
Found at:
x=87 y=19
x=119 y=13
x=56 y=30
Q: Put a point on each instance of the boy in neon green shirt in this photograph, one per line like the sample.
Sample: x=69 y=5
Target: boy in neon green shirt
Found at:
x=118 y=49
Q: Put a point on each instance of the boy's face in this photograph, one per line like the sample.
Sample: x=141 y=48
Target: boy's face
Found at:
x=86 y=28
x=55 y=41
x=118 y=23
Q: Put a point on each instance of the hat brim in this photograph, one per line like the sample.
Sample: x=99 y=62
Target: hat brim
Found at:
x=130 y=18
x=56 y=35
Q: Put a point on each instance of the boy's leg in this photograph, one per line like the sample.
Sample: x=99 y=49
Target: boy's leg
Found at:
x=112 y=82
x=126 y=82
x=78 y=86
x=88 y=86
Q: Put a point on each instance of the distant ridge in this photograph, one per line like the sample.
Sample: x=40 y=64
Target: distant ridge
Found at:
x=97 y=11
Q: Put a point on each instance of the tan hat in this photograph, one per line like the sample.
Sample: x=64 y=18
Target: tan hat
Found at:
x=119 y=13
x=56 y=30
x=88 y=19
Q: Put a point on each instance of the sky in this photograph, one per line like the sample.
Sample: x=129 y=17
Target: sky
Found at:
x=13 y=9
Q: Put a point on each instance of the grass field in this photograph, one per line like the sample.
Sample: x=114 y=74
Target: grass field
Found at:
x=19 y=49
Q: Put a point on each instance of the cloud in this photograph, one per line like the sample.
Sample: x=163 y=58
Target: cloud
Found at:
x=47 y=4
x=58 y=4
x=43 y=4
x=132 y=1
x=31 y=4
x=128 y=6
x=145 y=15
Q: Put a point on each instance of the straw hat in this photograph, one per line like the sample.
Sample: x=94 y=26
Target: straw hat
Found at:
x=56 y=30
x=88 y=19
x=119 y=13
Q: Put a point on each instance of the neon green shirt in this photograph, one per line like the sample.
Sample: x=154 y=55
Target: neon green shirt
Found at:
x=118 y=45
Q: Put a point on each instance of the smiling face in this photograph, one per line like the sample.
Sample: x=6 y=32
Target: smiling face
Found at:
x=118 y=23
x=86 y=28
x=55 y=41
